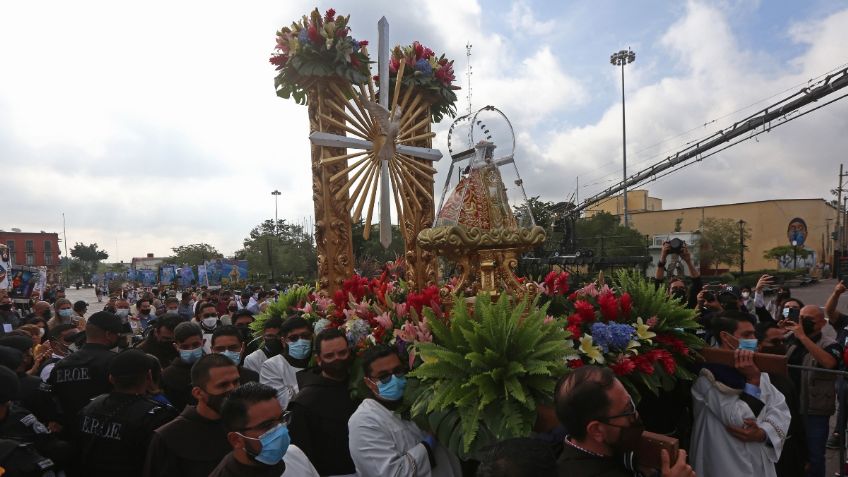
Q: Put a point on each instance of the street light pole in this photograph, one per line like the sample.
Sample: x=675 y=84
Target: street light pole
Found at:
x=622 y=58
x=276 y=195
x=794 y=255
x=741 y=247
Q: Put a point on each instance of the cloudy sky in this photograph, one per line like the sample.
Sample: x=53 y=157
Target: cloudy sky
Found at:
x=155 y=124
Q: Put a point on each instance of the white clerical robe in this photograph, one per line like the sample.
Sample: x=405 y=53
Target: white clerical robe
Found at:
x=714 y=451
x=297 y=464
x=382 y=444
x=280 y=375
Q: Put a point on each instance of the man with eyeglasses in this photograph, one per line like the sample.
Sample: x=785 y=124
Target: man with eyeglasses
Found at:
x=322 y=408
x=813 y=344
x=257 y=430
x=383 y=443
x=604 y=428
x=227 y=340
x=194 y=443
x=266 y=346
x=280 y=372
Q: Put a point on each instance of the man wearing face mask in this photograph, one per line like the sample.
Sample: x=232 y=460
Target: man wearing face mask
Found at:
x=246 y=301
x=280 y=371
x=144 y=314
x=85 y=374
x=814 y=344
x=604 y=427
x=227 y=340
x=322 y=408
x=194 y=443
x=9 y=318
x=794 y=456
x=176 y=378
x=122 y=310
x=266 y=346
x=160 y=342
x=380 y=441
x=64 y=313
x=242 y=320
x=172 y=305
x=741 y=419
x=257 y=431
x=207 y=318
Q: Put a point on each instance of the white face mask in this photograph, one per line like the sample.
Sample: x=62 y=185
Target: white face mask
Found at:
x=209 y=322
x=745 y=295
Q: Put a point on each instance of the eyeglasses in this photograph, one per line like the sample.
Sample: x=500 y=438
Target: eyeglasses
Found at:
x=303 y=336
x=209 y=315
x=399 y=372
x=270 y=337
x=265 y=426
x=221 y=349
x=629 y=413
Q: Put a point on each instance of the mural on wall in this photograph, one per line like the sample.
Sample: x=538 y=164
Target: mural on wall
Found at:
x=797 y=235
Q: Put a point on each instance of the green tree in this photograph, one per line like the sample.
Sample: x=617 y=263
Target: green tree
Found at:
x=287 y=247
x=605 y=236
x=194 y=254
x=89 y=257
x=371 y=249
x=720 y=242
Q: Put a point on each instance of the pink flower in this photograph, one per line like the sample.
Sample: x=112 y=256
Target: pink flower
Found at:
x=384 y=320
x=652 y=321
x=549 y=319
x=402 y=310
x=307 y=308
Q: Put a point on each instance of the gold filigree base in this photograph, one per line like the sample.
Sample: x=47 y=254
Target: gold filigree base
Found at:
x=486 y=259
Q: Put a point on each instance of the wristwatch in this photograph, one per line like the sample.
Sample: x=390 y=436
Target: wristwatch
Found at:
x=661 y=264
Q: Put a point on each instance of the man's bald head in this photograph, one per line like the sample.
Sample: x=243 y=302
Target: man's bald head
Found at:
x=814 y=314
x=40 y=306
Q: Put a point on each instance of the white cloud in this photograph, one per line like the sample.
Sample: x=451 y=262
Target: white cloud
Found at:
x=523 y=22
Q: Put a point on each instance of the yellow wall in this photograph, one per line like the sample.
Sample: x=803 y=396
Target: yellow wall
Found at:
x=637 y=200
x=767 y=222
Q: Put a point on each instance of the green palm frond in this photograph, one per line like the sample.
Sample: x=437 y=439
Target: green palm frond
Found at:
x=486 y=371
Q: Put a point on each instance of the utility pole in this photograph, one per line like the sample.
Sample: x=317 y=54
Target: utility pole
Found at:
x=67 y=258
x=838 y=229
x=276 y=195
x=741 y=247
x=622 y=58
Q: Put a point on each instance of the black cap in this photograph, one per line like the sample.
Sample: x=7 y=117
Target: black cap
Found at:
x=21 y=343
x=107 y=322
x=80 y=305
x=8 y=385
x=131 y=362
x=732 y=291
x=10 y=357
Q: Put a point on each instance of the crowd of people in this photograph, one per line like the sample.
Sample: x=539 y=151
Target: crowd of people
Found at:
x=157 y=384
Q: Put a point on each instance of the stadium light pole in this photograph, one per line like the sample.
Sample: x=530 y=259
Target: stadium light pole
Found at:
x=622 y=58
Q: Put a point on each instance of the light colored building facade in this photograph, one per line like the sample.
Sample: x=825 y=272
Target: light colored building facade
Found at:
x=767 y=221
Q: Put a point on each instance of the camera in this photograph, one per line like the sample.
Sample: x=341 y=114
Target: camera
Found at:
x=709 y=296
x=675 y=246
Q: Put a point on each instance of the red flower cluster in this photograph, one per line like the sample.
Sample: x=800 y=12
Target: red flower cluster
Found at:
x=330 y=16
x=428 y=297
x=623 y=367
x=676 y=344
x=626 y=303
x=644 y=364
x=575 y=363
x=556 y=284
x=585 y=309
x=609 y=306
x=357 y=286
x=574 y=322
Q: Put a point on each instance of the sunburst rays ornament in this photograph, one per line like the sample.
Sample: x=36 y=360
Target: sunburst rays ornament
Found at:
x=384 y=134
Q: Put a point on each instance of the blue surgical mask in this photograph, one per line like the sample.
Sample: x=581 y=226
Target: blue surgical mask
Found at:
x=275 y=443
x=392 y=390
x=191 y=355
x=234 y=356
x=748 y=344
x=300 y=349
x=66 y=313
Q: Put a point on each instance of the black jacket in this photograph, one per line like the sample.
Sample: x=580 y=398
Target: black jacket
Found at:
x=574 y=462
x=320 y=412
x=115 y=430
x=188 y=446
x=230 y=467
x=75 y=380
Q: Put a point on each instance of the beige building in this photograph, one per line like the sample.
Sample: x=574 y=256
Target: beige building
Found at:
x=637 y=201
x=768 y=222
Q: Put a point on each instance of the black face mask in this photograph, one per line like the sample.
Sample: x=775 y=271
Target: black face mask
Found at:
x=628 y=439
x=245 y=332
x=338 y=369
x=678 y=294
x=216 y=401
x=46 y=314
x=274 y=347
x=774 y=349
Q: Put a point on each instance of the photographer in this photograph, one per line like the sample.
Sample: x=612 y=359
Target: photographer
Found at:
x=676 y=286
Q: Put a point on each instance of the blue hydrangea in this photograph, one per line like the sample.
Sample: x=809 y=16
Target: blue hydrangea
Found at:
x=355 y=44
x=303 y=36
x=612 y=336
x=424 y=67
x=356 y=330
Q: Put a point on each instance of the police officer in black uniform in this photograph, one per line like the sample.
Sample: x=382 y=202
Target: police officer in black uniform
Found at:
x=85 y=374
x=27 y=448
x=116 y=428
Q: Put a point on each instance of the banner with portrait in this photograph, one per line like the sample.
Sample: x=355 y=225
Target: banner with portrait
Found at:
x=201 y=275
x=233 y=272
x=148 y=277
x=22 y=281
x=167 y=275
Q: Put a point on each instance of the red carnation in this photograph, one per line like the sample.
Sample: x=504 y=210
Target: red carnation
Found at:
x=626 y=302
x=418 y=48
x=575 y=363
x=330 y=15
x=279 y=60
x=363 y=43
x=609 y=306
x=555 y=283
x=585 y=309
x=572 y=296
x=313 y=35
x=644 y=365
x=576 y=332
x=623 y=367
x=676 y=344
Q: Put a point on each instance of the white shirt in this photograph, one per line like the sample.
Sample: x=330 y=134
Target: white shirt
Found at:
x=383 y=444
x=280 y=375
x=714 y=451
x=297 y=464
x=254 y=360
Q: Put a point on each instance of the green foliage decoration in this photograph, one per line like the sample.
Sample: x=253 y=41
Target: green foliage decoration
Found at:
x=487 y=370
